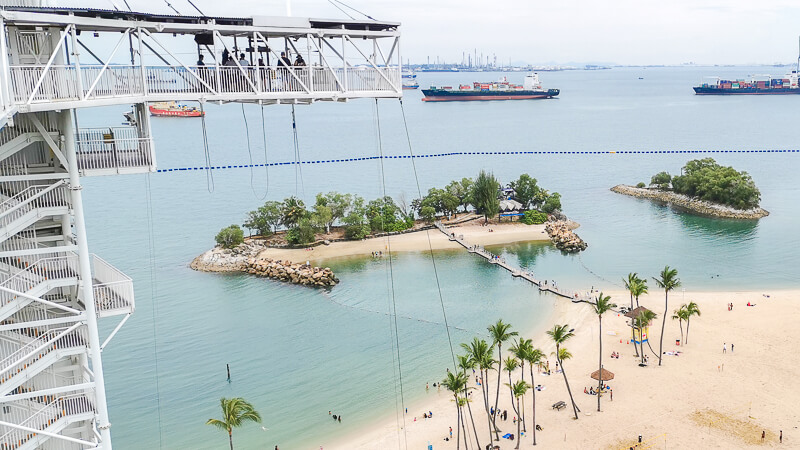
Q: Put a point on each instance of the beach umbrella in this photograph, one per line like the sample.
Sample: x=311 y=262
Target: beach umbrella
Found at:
x=607 y=376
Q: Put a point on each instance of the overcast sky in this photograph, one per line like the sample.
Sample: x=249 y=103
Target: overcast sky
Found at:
x=615 y=31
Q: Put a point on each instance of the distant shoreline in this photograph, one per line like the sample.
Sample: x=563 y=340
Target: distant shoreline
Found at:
x=692 y=205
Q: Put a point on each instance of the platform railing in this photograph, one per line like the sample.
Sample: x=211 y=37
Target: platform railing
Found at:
x=113 y=148
x=33 y=84
x=42 y=418
x=113 y=290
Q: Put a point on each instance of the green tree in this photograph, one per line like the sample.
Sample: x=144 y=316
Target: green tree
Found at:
x=356 y=226
x=641 y=322
x=481 y=354
x=466 y=363
x=338 y=204
x=525 y=189
x=601 y=306
x=640 y=184
x=534 y=357
x=383 y=215
x=266 y=219
x=633 y=284
x=552 y=203
x=292 y=210
x=235 y=412
x=500 y=332
x=691 y=310
x=322 y=218
x=229 y=237
x=462 y=190
x=303 y=233
x=707 y=180
x=428 y=214
x=560 y=334
x=661 y=180
x=668 y=280
x=456 y=383
x=680 y=316
x=532 y=217
x=639 y=289
x=441 y=200
x=518 y=389
x=484 y=195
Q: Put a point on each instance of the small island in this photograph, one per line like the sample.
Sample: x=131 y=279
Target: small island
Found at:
x=287 y=236
x=704 y=188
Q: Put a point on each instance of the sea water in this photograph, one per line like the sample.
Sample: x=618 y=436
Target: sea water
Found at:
x=296 y=353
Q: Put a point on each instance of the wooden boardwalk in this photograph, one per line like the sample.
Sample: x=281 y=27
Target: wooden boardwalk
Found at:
x=515 y=272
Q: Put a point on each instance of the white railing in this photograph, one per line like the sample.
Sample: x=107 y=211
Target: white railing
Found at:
x=58 y=267
x=38 y=196
x=34 y=84
x=42 y=418
x=113 y=148
x=113 y=290
x=39 y=347
x=22 y=126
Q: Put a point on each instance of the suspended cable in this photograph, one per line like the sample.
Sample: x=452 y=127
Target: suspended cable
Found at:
x=266 y=160
x=391 y=275
x=350 y=7
x=206 y=152
x=129 y=6
x=250 y=154
x=340 y=9
x=172 y=8
x=494 y=153
x=195 y=7
x=298 y=172
x=430 y=245
x=154 y=297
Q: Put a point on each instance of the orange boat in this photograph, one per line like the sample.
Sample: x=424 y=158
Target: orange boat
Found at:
x=173 y=109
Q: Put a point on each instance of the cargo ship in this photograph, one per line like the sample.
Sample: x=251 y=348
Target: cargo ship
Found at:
x=501 y=90
x=755 y=85
x=173 y=109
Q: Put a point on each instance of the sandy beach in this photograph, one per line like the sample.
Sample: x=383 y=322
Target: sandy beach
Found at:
x=473 y=232
x=699 y=399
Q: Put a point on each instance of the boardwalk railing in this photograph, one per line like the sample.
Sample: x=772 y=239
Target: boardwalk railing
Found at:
x=32 y=84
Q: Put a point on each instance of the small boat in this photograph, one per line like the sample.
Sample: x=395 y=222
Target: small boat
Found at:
x=173 y=109
x=410 y=84
x=409 y=74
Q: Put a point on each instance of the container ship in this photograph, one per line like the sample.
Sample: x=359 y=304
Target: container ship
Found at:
x=756 y=85
x=501 y=90
x=173 y=109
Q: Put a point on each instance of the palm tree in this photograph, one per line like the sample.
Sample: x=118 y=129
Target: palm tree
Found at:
x=519 y=351
x=534 y=357
x=668 y=281
x=691 y=310
x=500 y=332
x=639 y=289
x=464 y=363
x=630 y=282
x=518 y=389
x=481 y=353
x=561 y=334
x=235 y=412
x=455 y=383
x=641 y=321
x=681 y=314
x=511 y=365
x=602 y=306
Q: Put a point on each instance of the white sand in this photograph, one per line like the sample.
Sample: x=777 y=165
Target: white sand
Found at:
x=756 y=383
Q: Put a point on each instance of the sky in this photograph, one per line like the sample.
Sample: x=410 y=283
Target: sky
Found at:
x=629 y=32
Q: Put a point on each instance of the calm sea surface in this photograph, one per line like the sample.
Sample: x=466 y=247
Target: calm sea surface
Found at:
x=297 y=353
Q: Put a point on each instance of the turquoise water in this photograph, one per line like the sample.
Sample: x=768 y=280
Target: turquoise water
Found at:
x=297 y=353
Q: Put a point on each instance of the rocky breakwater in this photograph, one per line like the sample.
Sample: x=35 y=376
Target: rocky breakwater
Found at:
x=292 y=272
x=690 y=204
x=562 y=236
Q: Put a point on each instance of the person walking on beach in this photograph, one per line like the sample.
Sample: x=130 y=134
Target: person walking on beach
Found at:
x=724 y=348
x=780 y=437
x=763 y=435
x=451 y=432
x=731 y=347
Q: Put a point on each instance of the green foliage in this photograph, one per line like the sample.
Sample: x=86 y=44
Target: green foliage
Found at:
x=303 y=233
x=640 y=184
x=525 y=189
x=462 y=190
x=552 y=203
x=266 y=219
x=355 y=226
x=707 y=180
x=661 y=180
x=292 y=210
x=484 y=195
x=235 y=412
x=533 y=217
x=229 y=237
x=428 y=214
x=338 y=205
x=442 y=201
x=384 y=216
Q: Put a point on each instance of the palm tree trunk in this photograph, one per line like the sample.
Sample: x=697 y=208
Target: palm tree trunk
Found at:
x=600 y=364
x=534 y=404
x=522 y=368
x=230 y=438
x=569 y=391
x=486 y=402
x=663 y=324
x=687 y=332
x=469 y=408
x=497 y=395
x=635 y=350
x=519 y=438
x=458 y=420
x=680 y=323
x=464 y=427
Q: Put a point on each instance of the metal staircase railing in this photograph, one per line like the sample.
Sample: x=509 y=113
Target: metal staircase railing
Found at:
x=46 y=417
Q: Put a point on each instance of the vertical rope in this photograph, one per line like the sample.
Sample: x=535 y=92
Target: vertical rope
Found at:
x=154 y=296
x=298 y=166
x=250 y=155
x=430 y=246
x=391 y=277
x=206 y=152
x=266 y=159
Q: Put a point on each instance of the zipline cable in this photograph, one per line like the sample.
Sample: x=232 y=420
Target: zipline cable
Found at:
x=299 y=169
x=391 y=278
x=154 y=297
x=430 y=245
x=206 y=152
x=250 y=154
x=266 y=160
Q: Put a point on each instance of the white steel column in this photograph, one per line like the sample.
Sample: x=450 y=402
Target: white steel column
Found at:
x=86 y=278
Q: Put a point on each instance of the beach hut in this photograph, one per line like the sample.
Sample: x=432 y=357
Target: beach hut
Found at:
x=638 y=336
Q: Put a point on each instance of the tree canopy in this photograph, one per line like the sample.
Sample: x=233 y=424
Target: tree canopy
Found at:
x=707 y=180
